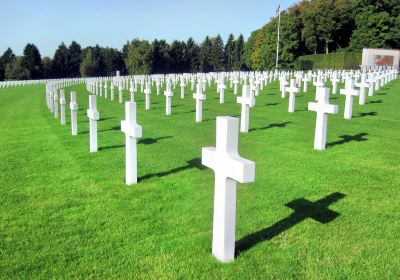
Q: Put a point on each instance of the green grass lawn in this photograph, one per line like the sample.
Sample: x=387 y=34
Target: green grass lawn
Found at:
x=66 y=213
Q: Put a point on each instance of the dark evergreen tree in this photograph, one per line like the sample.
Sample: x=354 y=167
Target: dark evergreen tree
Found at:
x=7 y=57
x=230 y=52
x=32 y=61
x=205 y=56
x=74 y=59
x=60 y=63
x=160 y=62
x=217 y=54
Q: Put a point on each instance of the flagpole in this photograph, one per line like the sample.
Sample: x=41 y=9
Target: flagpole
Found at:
x=277 y=43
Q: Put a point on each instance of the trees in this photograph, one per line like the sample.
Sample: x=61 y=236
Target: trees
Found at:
x=177 y=54
x=32 y=62
x=74 y=59
x=139 y=57
x=47 y=67
x=60 y=64
x=377 y=24
x=92 y=64
x=217 y=54
x=238 y=51
x=229 y=52
x=16 y=70
x=113 y=61
x=160 y=57
x=192 y=56
x=7 y=57
x=205 y=55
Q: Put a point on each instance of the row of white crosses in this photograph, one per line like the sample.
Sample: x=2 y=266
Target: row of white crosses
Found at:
x=224 y=159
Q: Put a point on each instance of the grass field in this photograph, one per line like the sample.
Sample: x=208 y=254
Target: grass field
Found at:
x=66 y=213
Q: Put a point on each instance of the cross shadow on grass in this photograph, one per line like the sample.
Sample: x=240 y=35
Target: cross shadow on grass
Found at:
x=375 y=102
x=369 y=114
x=190 y=164
x=271 y=104
x=271 y=125
x=145 y=141
x=303 y=209
x=106 y=119
x=360 y=137
x=149 y=141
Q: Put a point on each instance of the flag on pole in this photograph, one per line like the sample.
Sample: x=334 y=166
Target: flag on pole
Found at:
x=278 y=10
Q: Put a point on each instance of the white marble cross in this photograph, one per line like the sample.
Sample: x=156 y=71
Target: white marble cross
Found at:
x=362 y=85
x=228 y=168
x=51 y=100
x=158 y=86
x=323 y=108
x=112 y=92
x=168 y=95
x=235 y=85
x=132 y=91
x=283 y=85
x=120 y=93
x=221 y=87
x=199 y=96
x=182 y=88
x=247 y=100
x=93 y=116
x=105 y=89
x=132 y=131
x=292 y=98
x=305 y=80
x=371 y=86
x=335 y=82
x=147 y=92
x=349 y=92
x=55 y=104
x=62 y=106
x=74 y=114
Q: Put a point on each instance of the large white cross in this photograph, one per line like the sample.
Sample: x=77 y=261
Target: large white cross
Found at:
x=168 y=94
x=349 y=92
x=93 y=116
x=228 y=168
x=74 y=114
x=323 y=108
x=247 y=100
x=199 y=96
x=62 y=106
x=292 y=97
x=132 y=131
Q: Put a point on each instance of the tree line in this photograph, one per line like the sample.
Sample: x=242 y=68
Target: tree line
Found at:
x=307 y=27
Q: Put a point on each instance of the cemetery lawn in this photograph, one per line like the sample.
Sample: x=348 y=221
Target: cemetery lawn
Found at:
x=66 y=213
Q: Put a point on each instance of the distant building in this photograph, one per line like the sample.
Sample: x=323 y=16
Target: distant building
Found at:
x=380 y=58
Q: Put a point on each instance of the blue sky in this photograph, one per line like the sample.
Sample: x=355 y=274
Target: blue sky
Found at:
x=47 y=23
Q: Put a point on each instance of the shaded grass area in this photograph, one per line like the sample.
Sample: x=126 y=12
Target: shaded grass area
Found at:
x=66 y=213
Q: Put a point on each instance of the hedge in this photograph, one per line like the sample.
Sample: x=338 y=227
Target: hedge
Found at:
x=339 y=60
